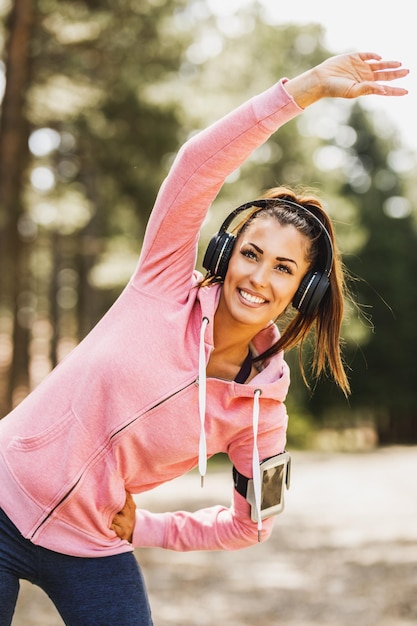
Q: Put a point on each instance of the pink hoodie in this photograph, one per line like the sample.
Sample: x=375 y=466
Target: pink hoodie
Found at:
x=121 y=411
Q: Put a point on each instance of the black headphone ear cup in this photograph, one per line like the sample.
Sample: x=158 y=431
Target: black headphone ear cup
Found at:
x=311 y=292
x=300 y=294
x=218 y=253
x=210 y=253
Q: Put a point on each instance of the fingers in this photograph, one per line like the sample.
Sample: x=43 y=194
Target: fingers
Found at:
x=373 y=88
x=376 y=62
x=130 y=503
x=391 y=91
x=382 y=75
x=379 y=65
x=123 y=522
x=387 y=75
x=368 y=71
x=122 y=527
x=367 y=56
x=386 y=70
x=347 y=76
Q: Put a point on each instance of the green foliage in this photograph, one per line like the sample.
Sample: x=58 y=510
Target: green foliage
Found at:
x=301 y=431
x=93 y=66
x=101 y=58
x=382 y=359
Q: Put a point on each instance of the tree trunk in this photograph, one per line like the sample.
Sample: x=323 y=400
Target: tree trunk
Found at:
x=13 y=160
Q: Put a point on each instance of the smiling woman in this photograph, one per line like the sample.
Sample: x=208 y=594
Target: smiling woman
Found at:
x=179 y=369
x=282 y=252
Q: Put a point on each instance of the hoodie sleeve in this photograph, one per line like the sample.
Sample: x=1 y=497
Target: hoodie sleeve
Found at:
x=212 y=528
x=203 y=163
x=217 y=527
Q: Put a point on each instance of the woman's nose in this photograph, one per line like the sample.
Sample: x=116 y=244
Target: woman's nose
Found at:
x=259 y=276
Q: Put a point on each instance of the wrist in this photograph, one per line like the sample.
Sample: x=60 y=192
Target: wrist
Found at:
x=305 y=89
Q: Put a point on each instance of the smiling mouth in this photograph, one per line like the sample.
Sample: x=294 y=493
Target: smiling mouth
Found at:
x=251 y=298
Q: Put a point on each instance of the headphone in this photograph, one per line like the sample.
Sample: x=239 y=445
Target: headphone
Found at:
x=314 y=284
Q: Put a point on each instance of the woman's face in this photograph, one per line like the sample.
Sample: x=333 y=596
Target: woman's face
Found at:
x=265 y=270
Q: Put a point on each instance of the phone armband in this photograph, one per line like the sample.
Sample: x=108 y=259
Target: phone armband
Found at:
x=275 y=478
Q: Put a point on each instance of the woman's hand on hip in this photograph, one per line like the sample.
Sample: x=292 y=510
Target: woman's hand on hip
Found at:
x=123 y=522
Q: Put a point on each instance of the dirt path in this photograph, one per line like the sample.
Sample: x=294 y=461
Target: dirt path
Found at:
x=344 y=552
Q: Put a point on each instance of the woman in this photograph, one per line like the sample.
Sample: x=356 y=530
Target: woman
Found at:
x=176 y=371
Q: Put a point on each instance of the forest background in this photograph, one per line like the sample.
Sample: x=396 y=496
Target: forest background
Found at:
x=98 y=97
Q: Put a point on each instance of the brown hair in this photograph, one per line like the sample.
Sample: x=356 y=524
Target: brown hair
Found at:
x=326 y=321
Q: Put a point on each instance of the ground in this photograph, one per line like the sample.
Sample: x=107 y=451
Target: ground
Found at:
x=343 y=552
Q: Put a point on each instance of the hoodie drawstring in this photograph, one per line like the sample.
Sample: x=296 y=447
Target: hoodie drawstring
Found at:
x=256 y=470
x=202 y=448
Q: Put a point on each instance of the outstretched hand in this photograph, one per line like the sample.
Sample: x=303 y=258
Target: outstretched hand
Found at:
x=347 y=76
x=123 y=522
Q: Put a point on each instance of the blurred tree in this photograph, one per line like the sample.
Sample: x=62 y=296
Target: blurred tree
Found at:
x=383 y=376
x=383 y=334
x=77 y=76
x=94 y=62
x=14 y=236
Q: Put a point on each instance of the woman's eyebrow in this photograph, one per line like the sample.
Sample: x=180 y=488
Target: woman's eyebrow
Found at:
x=278 y=258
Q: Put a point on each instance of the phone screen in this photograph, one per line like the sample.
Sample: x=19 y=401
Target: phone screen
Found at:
x=272 y=486
x=275 y=476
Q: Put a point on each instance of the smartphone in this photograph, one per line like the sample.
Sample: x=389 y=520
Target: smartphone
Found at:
x=275 y=478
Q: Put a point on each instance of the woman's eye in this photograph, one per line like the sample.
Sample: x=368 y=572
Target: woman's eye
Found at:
x=281 y=267
x=249 y=253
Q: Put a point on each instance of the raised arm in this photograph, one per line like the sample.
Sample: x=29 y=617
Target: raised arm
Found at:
x=205 y=161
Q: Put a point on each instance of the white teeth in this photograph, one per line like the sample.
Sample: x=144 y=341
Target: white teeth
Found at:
x=254 y=299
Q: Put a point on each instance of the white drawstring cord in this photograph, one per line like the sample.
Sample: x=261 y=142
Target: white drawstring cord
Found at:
x=202 y=448
x=256 y=471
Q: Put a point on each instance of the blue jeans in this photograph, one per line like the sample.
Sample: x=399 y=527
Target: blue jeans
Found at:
x=86 y=591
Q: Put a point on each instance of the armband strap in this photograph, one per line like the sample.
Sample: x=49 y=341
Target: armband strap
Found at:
x=240 y=482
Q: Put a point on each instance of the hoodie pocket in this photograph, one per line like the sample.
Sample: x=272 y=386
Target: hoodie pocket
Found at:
x=46 y=464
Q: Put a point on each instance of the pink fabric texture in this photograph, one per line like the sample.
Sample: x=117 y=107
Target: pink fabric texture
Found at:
x=121 y=410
